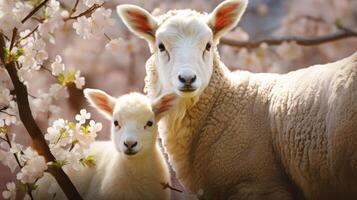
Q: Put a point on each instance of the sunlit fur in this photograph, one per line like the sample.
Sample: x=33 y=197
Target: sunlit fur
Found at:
x=116 y=175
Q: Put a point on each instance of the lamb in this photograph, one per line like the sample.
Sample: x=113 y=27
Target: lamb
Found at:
x=131 y=166
x=243 y=135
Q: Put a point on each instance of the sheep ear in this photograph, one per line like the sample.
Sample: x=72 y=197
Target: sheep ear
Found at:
x=163 y=104
x=139 y=21
x=226 y=16
x=100 y=100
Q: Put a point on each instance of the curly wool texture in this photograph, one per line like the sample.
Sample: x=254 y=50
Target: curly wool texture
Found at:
x=266 y=136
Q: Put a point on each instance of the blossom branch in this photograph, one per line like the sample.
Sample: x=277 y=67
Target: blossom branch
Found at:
x=14 y=33
x=34 y=11
x=38 y=140
x=28 y=35
x=29 y=189
x=86 y=12
x=300 y=40
x=74 y=9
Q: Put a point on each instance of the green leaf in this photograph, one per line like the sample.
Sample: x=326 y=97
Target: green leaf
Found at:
x=85 y=129
x=72 y=125
x=61 y=79
x=71 y=75
x=89 y=161
x=3 y=129
x=57 y=163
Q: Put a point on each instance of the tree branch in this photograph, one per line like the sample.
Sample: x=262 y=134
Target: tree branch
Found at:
x=34 y=11
x=28 y=35
x=38 y=140
x=342 y=33
x=86 y=12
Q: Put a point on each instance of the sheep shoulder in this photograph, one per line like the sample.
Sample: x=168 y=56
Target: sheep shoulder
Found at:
x=313 y=116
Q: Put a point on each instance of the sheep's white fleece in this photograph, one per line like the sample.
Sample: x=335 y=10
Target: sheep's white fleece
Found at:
x=114 y=177
x=267 y=136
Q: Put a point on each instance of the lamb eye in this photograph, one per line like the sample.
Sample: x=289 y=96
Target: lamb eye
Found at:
x=208 y=46
x=162 y=47
x=149 y=123
x=116 y=123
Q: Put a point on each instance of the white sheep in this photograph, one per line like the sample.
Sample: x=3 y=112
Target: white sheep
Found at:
x=131 y=166
x=243 y=135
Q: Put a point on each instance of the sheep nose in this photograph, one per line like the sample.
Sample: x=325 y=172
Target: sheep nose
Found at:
x=187 y=80
x=130 y=144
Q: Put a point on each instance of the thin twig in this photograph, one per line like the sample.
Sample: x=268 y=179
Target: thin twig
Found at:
x=28 y=35
x=4 y=108
x=29 y=190
x=74 y=9
x=110 y=39
x=167 y=185
x=86 y=12
x=300 y=40
x=6 y=113
x=14 y=33
x=34 y=11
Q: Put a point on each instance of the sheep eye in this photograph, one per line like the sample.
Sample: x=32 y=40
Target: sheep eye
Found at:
x=149 y=123
x=116 y=123
x=208 y=46
x=162 y=47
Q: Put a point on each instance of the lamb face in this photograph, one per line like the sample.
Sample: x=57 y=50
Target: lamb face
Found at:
x=183 y=43
x=134 y=129
x=134 y=119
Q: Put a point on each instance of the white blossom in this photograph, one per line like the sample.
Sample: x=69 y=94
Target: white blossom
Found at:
x=9 y=115
x=7 y=159
x=115 y=45
x=58 y=91
x=10 y=193
x=34 y=53
x=11 y=14
x=52 y=22
x=5 y=96
x=34 y=168
x=94 y=127
x=83 y=27
x=94 y=26
x=57 y=66
x=83 y=116
x=79 y=80
x=90 y=3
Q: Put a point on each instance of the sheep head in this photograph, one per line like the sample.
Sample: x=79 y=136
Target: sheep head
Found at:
x=183 y=42
x=134 y=119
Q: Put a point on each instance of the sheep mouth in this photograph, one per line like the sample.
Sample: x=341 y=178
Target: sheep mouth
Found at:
x=130 y=152
x=187 y=89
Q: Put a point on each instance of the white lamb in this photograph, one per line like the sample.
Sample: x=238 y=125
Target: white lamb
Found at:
x=244 y=135
x=131 y=166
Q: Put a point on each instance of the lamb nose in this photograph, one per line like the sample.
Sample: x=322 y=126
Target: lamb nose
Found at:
x=187 y=80
x=130 y=144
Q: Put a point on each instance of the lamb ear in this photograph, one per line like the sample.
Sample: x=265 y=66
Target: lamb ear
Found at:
x=226 y=16
x=163 y=104
x=100 y=100
x=139 y=21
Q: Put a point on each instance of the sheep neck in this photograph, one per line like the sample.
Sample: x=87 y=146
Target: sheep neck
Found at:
x=181 y=129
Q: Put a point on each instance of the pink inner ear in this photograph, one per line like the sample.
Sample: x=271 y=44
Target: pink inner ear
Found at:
x=103 y=103
x=224 y=17
x=165 y=104
x=140 y=22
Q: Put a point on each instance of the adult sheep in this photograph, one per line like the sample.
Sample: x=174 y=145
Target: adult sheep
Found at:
x=243 y=135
